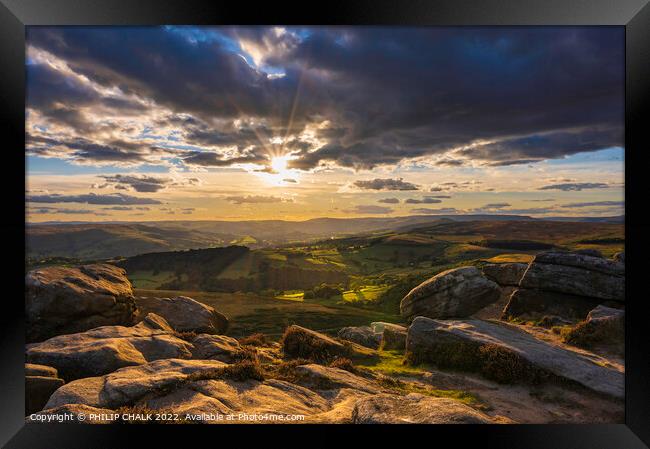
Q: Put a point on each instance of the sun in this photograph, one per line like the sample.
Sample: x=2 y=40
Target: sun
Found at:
x=279 y=164
x=278 y=172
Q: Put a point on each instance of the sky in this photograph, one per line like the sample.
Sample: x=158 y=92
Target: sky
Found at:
x=241 y=123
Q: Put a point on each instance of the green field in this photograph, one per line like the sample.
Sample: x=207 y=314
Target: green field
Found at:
x=149 y=280
x=292 y=295
x=368 y=293
x=250 y=313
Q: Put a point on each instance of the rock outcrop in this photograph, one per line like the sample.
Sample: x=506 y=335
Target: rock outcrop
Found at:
x=192 y=387
x=534 y=304
x=184 y=314
x=505 y=353
x=105 y=349
x=363 y=335
x=215 y=347
x=505 y=274
x=40 y=382
x=393 y=336
x=455 y=293
x=414 y=409
x=576 y=274
x=64 y=300
x=619 y=257
x=129 y=384
x=567 y=285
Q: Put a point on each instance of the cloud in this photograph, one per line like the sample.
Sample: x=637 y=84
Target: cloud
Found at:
x=575 y=186
x=424 y=200
x=368 y=209
x=140 y=183
x=291 y=180
x=542 y=200
x=389 y=200
x=215 y=97
x=442 y=210
x=91 y=198
x=257 y=199
x=594 y=203
x=56 y=210
x=496 y=205
x=385 y=184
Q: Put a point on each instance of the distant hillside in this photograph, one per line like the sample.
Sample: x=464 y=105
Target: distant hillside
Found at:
x=96 y=241
x=184 y=269
x=107 y=240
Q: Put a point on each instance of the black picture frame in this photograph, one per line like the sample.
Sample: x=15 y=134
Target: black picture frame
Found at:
x=634 y=15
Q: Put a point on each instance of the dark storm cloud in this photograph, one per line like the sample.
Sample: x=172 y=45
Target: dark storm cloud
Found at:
x=144 y=183
x=368 y=209
x=56 y=210
x=385 y=184
x=389 y=200
x=425 y=200
x=442 y=210
x=84 y=151
x=209 y=159
x=91 y=198
x=595 y=203
x=500 y=96
x=496 y=205
x=575 y=186
x=138 y=183
x=539 y=147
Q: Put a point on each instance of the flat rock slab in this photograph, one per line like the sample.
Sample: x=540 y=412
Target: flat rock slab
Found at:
x=414 y=409
x=250 y=397
x=127 y=385
x=324 y=378
x=455 y=293
x=431 y=335
x=32 y=369
x=108 y=348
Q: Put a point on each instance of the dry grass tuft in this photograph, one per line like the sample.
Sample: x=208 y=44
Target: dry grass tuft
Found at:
x=344 y=364
x=257 y=339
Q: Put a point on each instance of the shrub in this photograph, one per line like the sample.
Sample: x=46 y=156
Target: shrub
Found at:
x=492 y=361
x=257 y=339
x=298 y=342
x=505 y=366
x=188 y=336
x=587 y=334
x=246 y=353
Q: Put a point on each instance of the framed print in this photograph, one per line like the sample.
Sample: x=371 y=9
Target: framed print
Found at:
x=426 y=217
